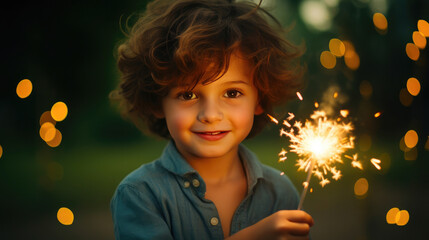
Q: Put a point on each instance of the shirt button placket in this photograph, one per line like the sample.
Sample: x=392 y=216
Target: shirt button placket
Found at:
x=195 y=183
x=214 y=221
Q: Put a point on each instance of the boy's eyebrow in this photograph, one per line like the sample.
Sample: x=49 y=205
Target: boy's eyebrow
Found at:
x=236 y=82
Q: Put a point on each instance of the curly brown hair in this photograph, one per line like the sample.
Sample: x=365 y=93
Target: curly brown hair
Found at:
x=173 y=42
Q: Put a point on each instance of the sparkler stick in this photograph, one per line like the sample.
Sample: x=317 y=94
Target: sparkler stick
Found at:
x=306 y=184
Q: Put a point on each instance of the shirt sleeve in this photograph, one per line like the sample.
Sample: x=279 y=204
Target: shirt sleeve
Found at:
x=136 y=215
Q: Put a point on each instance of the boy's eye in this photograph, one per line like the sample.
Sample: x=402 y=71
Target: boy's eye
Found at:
x=232 y=93
x=187 y=96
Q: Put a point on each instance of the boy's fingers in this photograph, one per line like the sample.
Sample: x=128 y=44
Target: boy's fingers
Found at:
x=300 y=217
x=297 y=229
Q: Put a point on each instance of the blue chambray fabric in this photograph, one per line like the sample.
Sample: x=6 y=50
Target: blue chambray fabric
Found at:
x=164 y=199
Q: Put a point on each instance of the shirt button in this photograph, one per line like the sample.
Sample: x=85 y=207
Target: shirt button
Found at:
x=196 y=183
x=214 y=221
x=186 y=184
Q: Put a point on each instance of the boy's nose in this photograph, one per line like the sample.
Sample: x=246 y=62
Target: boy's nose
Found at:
x=210 y=112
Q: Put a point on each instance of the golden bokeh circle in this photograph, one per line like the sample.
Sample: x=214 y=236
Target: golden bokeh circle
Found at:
x=59 y=111
x=411 y=139
x=24 y=88
x=423 y=27
x=65 y=216
x=379 y=21
x=328 y=60
x=413 y=86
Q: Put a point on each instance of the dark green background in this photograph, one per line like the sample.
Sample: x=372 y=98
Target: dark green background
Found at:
x=66 y=48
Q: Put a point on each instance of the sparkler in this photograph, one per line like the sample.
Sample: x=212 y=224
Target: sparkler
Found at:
x=320 y=144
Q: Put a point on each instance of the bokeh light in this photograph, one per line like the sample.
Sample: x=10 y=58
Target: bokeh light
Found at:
x=413 y=86
x=412 y=51
x=391 y=215
x=419 y=39
x=427 y=144
x=411 y=138
x=328 y=60
x=365 y=89
x=402 y=218
x=1 y=151
x=411 y=154
x=423 y=27
x=316 y=15
x=65 y=216
x=59 y=111
x=405 y=97
x=24 y=88
x=44 y=129
x=351 y=58
x=46 y=117
x=380 y=21
x=56 y=141
x=361 y=187
x=337 y=47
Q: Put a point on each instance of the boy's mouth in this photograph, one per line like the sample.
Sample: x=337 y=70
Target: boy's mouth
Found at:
x=212 y=135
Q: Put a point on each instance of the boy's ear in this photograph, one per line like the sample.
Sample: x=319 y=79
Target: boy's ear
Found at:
x=259 y=110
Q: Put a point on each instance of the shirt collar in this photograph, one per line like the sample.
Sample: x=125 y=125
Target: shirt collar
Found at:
x=173 y=161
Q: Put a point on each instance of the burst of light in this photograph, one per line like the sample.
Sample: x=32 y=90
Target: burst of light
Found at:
x=361 y=187
x=377 y=114
x=65 y=216
x=423 y=27
x=273 y=119
x=412 y=51
x=320 y=143
x=337 y=47
x=411 y=138
x=413 y=86
x=59 y=111
x=24 y=88
x=376 y=163
x=380 y=21
x=328 y=60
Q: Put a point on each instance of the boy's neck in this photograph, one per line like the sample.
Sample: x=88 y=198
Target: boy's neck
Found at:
x=218 y=170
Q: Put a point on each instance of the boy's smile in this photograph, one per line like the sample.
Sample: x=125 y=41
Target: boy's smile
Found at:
x=211 y=120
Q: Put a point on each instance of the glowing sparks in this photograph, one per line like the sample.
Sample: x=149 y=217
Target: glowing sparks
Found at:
x=273 y=119
x=321 y=141
x=344 y=113
x=376 y=163
x=299 y=96
x=378 y=114
x=316 y=104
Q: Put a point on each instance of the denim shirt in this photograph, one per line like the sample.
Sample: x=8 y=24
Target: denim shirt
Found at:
x=164 y=199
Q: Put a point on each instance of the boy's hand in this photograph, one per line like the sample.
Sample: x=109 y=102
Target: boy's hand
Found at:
x=284 y=224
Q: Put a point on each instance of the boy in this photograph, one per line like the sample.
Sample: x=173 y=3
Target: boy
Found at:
x=203 y=73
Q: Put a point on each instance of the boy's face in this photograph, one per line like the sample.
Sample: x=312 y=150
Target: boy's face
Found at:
x=211 y=120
